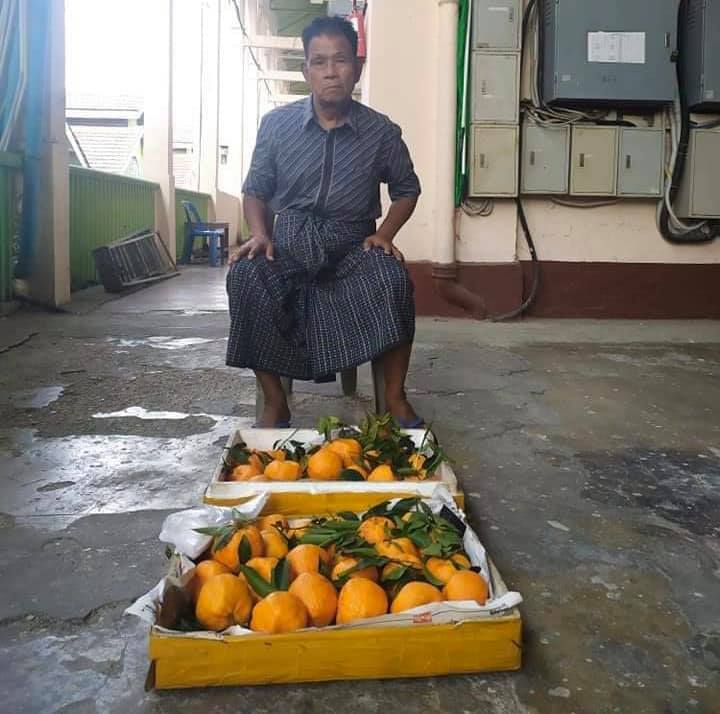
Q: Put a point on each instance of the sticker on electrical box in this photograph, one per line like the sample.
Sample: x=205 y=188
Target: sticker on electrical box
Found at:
x=616 y=47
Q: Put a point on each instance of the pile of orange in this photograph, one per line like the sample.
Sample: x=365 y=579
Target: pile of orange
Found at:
x=257 y=575
x=338 y=458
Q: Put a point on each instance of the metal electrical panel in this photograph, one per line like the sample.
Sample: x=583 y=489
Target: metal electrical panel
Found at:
x=641 y=162
x=495 y=87
x=701 y=54
x=496 y=24
x=545 y=158
x=699 y=194
x=609 y=51
x=493 y=161
x=593 y=165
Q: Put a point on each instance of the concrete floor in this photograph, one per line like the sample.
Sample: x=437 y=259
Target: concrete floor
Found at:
x=589 y=452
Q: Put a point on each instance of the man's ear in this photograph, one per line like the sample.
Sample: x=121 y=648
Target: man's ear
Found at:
x=359 y=64
x=305 y=71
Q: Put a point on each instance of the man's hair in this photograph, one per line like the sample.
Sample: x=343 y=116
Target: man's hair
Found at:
x=333 y=26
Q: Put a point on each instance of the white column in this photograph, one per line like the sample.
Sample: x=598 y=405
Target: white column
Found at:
x=209 y=109
x=444 y=244
x=50 y=279
x=158 y=150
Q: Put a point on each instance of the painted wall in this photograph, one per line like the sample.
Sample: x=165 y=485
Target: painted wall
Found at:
x=400 y=81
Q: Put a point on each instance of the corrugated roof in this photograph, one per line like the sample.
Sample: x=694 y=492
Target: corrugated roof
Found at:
x=107 y=148
x=184 y=170
x=113 y=102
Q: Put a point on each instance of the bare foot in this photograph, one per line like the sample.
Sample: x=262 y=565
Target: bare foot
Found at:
x=402 y=410
x=273 y=415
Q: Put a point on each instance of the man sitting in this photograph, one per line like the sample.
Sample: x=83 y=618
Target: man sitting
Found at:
x=321 y=288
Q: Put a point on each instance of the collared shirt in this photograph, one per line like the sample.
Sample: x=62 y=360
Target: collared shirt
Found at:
x=336 y=173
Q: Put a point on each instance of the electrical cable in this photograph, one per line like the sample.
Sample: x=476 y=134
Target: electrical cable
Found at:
x=474 y=207
x=669 y=226
x=250 y=49
x=583 y=204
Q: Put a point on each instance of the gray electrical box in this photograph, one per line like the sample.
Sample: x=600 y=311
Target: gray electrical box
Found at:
x=495 y=89
x=617 y=52
x=545 y=158
x=701 y=54
x=699 y=194
x=496 y=24
x=493 y=161
x=641 y=162
x=593 y=166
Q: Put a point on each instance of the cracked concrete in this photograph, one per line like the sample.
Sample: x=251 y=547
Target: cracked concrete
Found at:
x=589 y=452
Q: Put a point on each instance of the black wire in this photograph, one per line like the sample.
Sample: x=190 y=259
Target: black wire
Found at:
x=711 y=231
x=521 y=212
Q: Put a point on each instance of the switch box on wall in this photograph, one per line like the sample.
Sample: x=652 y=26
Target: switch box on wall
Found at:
x=616 y=51
x=495 y=91
x=699 y=194
x=545 y=158
x=493 y=161
x=702 y=54
x=496 y=24
x=641 y=162
x=593 y=165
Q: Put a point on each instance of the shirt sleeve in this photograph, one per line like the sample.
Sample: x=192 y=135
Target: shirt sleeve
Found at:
x=260 y=181
x=399 y=173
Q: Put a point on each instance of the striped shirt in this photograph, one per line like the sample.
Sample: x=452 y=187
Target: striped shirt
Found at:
x=298 y=165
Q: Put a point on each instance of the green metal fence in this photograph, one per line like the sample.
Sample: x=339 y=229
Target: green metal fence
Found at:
x=104 y=207
x=201 y=201
x=10 y=166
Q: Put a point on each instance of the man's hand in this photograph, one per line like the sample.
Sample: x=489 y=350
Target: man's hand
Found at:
x=254 y=246
x=377 y=240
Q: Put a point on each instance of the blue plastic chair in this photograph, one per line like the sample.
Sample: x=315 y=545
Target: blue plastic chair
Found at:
x=195 y=227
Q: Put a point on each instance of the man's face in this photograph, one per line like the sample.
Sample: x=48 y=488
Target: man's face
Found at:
x=330 y=69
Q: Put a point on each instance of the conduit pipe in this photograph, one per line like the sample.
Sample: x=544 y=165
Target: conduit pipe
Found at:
x=445 y=270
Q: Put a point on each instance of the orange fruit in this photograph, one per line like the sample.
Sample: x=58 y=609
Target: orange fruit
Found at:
x=224 y=600
x=359 y=469
x=279 y=612
x=324 y=465
x=413 y=595
x=244 y=472
x=394 y=551
x=276 y=454
x=259 y=477
x=318 y=595
x=229 y=554
x=346 y=562
x=204 y=570
x=306 y=558
x=274 y=520
x=276 y=545
x=360 y=598
x=443 y=569
x=283 y=470
x=264 y=568
x=376 y=529
x=466 y=585
x=417 y=461
x=408 y=546
x=381 y=473
x=349 y=450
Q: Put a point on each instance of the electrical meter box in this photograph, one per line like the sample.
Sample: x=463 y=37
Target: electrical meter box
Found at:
x=495 y=88
x=701 y=54
x=496 y=24
x=545 y=158
x=493 y=161
x=613 y=52
x=699 y=194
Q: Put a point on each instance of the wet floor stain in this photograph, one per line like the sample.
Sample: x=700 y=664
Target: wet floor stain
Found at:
x=142 y=413
x=162 y=342
x=55 y=486
x=680 y=487
x=36 y=398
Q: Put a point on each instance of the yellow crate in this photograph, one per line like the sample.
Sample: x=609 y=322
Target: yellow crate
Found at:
x=491 y=644
x=304 y=496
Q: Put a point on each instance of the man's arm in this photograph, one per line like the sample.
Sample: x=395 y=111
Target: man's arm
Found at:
x=400 y=211
x=257 y=215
